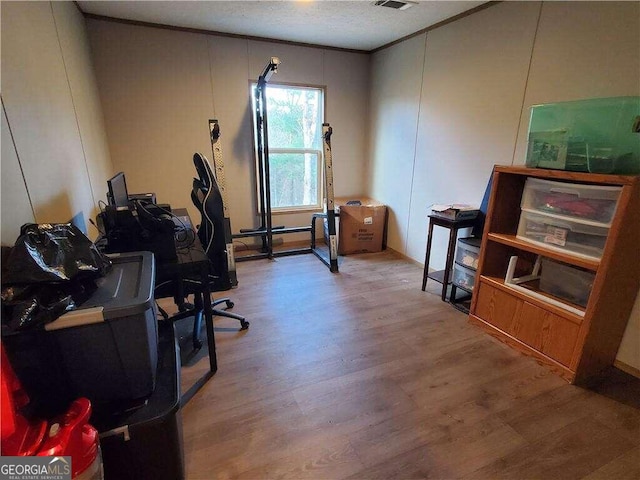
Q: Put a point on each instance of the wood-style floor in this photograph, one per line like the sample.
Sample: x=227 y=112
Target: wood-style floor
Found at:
x=362 y=375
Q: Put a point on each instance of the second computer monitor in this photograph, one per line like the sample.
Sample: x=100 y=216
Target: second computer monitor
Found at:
x=118 y=195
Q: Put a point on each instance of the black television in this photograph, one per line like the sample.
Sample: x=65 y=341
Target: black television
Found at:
x=118 y=195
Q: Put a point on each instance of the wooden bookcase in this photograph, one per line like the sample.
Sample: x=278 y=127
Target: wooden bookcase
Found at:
x=577 y=347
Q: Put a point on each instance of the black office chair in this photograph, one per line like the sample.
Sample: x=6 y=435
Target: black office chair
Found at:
x=208 y=200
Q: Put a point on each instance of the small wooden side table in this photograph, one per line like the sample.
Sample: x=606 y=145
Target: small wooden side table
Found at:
x=443 y=276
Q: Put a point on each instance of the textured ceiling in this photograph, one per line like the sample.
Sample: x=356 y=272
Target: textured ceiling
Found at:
x=346 y=24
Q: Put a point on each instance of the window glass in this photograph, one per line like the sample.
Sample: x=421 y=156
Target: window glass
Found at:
x=294 y=120
x=295 y=117
x=294 y=179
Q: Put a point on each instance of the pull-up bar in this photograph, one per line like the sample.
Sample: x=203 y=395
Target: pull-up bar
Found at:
x=266 y=230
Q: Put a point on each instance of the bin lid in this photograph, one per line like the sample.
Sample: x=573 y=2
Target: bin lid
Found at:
x=127 y=289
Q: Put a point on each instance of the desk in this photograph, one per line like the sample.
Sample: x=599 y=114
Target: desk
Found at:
x=192 y=261
x=443 y=276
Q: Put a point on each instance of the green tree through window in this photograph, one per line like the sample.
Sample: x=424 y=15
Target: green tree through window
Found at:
x=295 y=116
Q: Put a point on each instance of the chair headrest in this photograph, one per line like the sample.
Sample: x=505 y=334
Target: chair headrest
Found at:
x=204 y=170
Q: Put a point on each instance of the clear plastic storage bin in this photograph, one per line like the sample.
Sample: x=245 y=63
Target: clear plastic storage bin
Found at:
x=467 y=255
x=577 y=202
x=565 y=282
x=562 y=234
x=463 y=277
x=599 y=135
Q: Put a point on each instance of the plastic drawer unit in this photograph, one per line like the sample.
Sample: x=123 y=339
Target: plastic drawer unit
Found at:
x=558 y=233
x=463 y=277
x=147 y=443
x=106 y=350
x=589 y=203
x=566 y=282
x=468 y=252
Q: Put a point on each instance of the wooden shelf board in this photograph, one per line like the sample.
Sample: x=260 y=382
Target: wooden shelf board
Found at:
x=582 y=177
x=499 y=283
x=513 y=241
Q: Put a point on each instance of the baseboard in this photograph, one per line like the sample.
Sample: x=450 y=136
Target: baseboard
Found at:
x=405 y=257
x=278 y=242
x=627 y=368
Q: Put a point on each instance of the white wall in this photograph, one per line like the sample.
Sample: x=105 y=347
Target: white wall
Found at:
x=481 y=74
x=469 y=111
x=53 y=146
x=15 y=203
x=76 y=53
x=160 y=87
x=395 y=102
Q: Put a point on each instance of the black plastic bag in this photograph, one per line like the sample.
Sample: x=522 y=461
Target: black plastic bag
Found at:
x=46 y=253
x=51 y=270
x=31 y=306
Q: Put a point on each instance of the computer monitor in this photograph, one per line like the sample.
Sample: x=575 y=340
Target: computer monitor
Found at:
x=118 y=195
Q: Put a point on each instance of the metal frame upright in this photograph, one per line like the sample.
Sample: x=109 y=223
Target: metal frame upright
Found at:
x=218 y=166
x=266 y=230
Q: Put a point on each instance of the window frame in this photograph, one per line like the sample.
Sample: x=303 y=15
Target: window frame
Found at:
x=319 y=152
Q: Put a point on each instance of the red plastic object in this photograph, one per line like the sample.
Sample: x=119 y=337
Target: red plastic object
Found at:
x=7 y=411
x=71 y=435
x=26 y=439
x=19 y=437
x=67 y=435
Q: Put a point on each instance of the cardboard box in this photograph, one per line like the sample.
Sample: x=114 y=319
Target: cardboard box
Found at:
x=361 y=227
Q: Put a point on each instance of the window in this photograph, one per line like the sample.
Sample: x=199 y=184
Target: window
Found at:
x=295 y=115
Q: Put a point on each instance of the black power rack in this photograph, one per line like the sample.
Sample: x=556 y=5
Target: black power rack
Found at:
x=266 y=230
